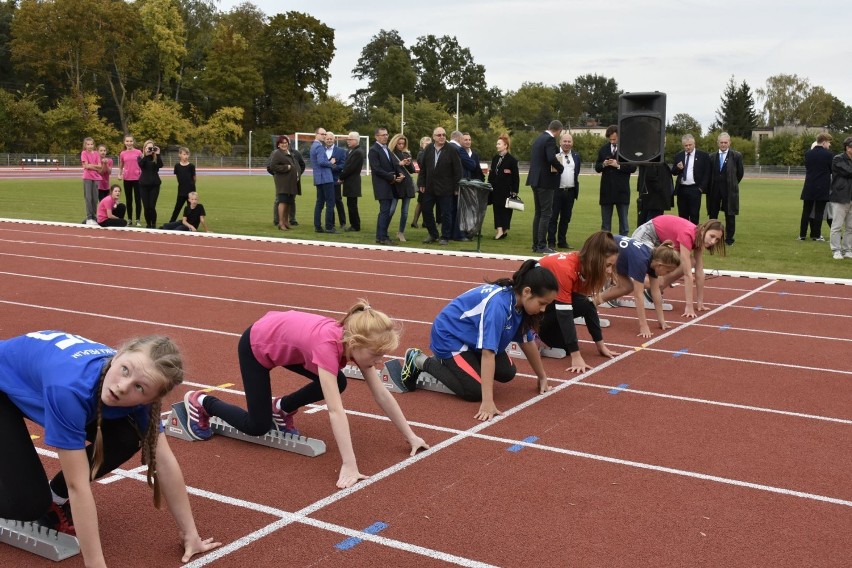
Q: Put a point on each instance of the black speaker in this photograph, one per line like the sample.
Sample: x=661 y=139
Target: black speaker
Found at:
x=642 y=128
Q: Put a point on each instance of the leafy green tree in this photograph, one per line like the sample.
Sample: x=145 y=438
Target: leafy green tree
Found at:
x=161 y=120
x=394 y=76
x=163 y=24
x=782 y=96
x=816 y=107
x=569 y=105
x=218 y=132
x=199 y=17
x=840 y=119
x=22 y=126
x=599 y=95
x=7 y=14
x=372 y=55
x=446 y=69
x=331 y=112
x=682 y=123
x=737 y=114
x=531 y=107
x=123 y=57
x=230 y=77
x=421 y=118
x=75 y=117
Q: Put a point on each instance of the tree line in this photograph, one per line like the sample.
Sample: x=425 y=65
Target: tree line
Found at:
x=184 y=73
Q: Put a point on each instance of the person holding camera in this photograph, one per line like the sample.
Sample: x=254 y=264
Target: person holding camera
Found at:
x=150 y=163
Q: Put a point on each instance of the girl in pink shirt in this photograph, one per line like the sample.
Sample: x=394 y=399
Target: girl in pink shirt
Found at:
x=110 y=210
x=91 y=162
x=690 y=241
x=106 y=171
x=317 y=348
x=129 y=171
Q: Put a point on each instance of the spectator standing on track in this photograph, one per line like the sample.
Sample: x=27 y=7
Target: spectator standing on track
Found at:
x=92 y=167
x=78 y=391
x=470 y=336
x=350 y=178
x=106 y=171
x=149 y=181
x=185 y=175
x=316 y=348
x=386 y=174
x=286 y=173
x=565 y=195
x=110 y=210
x=194 y=216
x=505 y=180
x=815 y=191
x=615 y=184
x=333 y=151
x=637 y=263
x=324 y=182
x=405 y=189
x=418 y=209
x=726 y=172
x=841 y=202
x=440 y=172
x=580 y=275
x=692 y=168
x=543 y=177
x=690 y=242
x=128 y=170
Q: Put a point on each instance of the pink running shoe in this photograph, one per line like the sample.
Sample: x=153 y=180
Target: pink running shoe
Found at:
x=197 y=418
x=283 y=421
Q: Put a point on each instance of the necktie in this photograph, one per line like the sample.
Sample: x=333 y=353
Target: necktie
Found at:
x=721 y=160
x=686 y=167
x=614 y=150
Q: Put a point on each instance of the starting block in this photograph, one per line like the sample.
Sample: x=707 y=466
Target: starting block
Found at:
x=582 y=321
x=391 y=376
x=631 y=303
x=177 y=426
x=514 y=350
x=39 y=540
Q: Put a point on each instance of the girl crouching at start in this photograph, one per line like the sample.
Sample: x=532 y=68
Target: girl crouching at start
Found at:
x=317 y=348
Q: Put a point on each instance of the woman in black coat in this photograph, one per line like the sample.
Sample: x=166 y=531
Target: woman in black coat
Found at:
x=150 y=163
x=817 y=183
x=505 y=181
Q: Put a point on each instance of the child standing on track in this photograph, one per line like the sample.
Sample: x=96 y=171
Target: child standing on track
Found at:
x=470 y=336
x=194 y=217
x=106 y=171
x=110 y=211
x=92 y=167
x=317 y=348
x=637 y=262
x=128 y=170
x=580 y=275
x=80 y=391
x=185 y=175
x=690 y=241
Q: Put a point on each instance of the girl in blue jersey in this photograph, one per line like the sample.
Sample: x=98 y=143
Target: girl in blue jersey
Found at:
x=80 y=391
x=638 y=262
x=470 y=336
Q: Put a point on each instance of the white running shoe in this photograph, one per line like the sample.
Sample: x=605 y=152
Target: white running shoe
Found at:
x=847 y=254
x=838 y=255
x=91 y=222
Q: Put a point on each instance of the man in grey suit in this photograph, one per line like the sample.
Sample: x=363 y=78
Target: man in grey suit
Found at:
x=726 y=173
x=350 y=177
x=545 y=171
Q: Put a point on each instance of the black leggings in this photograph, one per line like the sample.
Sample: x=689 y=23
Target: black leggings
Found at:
x=131 y=186
x=461 y=374
x=150 y=194
x=257 y=421
x=181 y=201
x=557 y=326
x=817 y=208
x=24 y=490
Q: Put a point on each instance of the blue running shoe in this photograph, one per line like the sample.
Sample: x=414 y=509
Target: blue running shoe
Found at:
x=283 y=421
x=410 y=372
x=197 y=418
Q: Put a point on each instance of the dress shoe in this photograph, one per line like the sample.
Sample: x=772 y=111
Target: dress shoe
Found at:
x=443 y=242
x=430 y=240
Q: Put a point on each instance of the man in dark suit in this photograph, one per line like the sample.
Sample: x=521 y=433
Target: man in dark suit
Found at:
x=816 y=188
x=615 y=184
x=350 y=179
x=692 y=168
x=440 y=172
x=564 y=196
x=543 y=177
x=386 y=173
x=339 y=155
x=726 y=172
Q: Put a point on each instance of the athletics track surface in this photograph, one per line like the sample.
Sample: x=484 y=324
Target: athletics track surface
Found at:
x=722 y=442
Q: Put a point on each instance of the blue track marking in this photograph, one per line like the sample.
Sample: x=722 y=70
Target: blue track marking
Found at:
x=375 y=528
x=757 y=308
x=517 y=447
x=618 y=389
x=681 y=352
x=724 y=327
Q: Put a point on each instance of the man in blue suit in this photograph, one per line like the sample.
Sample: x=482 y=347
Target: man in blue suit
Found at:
x=386 y=174
x=324 y=182
x=337 y=156
x=545 y=171
x=692 y=168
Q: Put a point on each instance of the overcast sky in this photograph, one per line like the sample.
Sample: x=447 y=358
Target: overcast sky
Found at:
x=686 y=49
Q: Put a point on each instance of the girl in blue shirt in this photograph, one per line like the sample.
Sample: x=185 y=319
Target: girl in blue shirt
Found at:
x=470 y=336
x=80 y=391
x=638 y=262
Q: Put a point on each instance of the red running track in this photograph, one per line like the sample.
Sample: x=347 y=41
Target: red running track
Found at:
x=727 y=443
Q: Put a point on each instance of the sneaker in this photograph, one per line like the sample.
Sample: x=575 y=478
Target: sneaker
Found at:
x=196 y=417
x=838 y=255
x=801 y=239
x=138 y=224
x=410 y=372
x=613 y=303
x=545 y=250
x=283 y=421
x=443 y=242
x=554 y=352
x=818 y=239
x=91 y=222
x=58 y=518
x=847 y=254
x=400 y=237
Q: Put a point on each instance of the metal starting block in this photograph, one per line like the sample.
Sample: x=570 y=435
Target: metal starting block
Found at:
x=582 y=321
x=39 y=540
x=391 y=376
x=514 y=350
x=177 y=426
x=631 y=303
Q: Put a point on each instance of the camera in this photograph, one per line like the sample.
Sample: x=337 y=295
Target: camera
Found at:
x=154 y=150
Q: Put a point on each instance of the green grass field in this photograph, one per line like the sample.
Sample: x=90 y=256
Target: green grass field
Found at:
x=766 y=228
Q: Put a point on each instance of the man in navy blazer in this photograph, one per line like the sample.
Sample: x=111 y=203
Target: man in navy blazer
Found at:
x=565 y=196
x=692 y=168
x=339 y=155
x=386 y=174
x=543 y=177
x=816 y=188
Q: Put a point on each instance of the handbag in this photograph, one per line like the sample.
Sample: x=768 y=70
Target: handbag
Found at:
x=514 y=203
